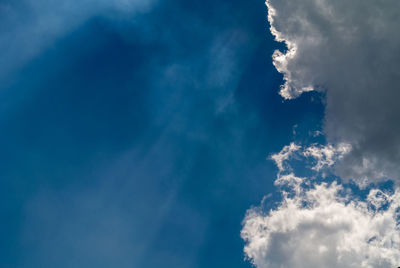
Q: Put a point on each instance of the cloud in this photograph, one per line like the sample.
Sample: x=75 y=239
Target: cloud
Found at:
x=321 y=224
x=322 y=228
x=350 y=51
x=327 y=155
x=319 y=157
x=284 y=155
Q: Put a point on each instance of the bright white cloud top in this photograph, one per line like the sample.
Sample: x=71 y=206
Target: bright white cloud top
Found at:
x=350 y=50
x=322 y=225
x=320 y=228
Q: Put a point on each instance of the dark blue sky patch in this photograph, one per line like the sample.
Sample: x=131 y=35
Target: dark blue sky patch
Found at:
x=142 y=144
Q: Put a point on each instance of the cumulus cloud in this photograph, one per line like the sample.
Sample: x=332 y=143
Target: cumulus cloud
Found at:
x=349 y=50
x=321 y=224
x=322 y=228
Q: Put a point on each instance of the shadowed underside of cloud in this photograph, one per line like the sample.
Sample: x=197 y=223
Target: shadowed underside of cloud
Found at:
x=350 y=50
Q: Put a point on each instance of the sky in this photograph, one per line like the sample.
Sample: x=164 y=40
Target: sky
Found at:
x=172 y=133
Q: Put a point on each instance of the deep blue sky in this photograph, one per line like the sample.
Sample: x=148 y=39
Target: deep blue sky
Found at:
x=141 y=142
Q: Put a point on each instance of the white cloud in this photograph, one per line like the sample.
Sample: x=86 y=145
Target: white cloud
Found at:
x=320 y=157
x=320 y=224
x=326 y=156
x=284 y=155
x=322 y=228
x=350 y=50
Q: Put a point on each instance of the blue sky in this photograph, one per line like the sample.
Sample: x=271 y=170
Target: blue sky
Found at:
x=138 y=139
x=164 y=133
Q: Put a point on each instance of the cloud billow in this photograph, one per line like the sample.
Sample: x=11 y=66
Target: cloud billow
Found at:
x=320 y=224
x=350 y=51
